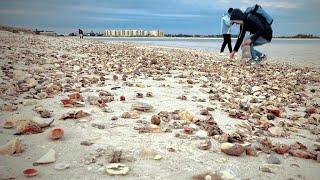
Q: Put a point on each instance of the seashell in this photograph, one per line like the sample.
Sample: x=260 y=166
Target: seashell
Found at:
x=147 y=153
x=149 y=94
x=276 y=131
x=61 y=166
x=140 y=85
x=185 y=115
x=155 y=119
x=43 y=123
x=30 y=172
x=42 y=95
x=49 y=157
x=130 y=115
x=152 y=128
x=74 y=115
x=302 y=154
x=204 y=112
x=45 y=114
x=27 y=127
x=311 y=110
x=139 y=95
x=184 y=98
x=187 y=130
x=205 y=145
x=122 y=98
x=157 y=157
x=9 y=107
x=282 y=149
x=116 y=169
x=142 y=106
x=76 y=96
x=56 y=133
x=275 y=111
x=9 y=123
x=12 y=147
x=232 y=149
x=251 y=151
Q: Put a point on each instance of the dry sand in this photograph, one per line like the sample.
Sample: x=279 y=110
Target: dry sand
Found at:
x=76 y=64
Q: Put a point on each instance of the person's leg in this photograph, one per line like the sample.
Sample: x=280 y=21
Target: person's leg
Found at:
x=224 y=43
x=255 y=53
x=229 y=42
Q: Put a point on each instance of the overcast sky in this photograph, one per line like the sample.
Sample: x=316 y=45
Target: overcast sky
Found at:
x=171 y=16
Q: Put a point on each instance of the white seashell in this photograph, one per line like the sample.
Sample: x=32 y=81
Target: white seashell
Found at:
x=50 y=157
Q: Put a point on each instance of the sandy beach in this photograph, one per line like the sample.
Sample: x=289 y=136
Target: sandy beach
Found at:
x=161 y=112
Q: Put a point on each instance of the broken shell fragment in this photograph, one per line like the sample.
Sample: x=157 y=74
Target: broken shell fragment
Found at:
x=116 y=169
x=282 y=149
x=149 y=94
x=139 y=106
x=12 y=147
x=30 y=172
x=61 y=166
x=205 y=145
x=49 y=157
x=302 y=154
x=74 y=115
x=27 y=127
x=130 y=115
x=276 y=131
x=56 y=133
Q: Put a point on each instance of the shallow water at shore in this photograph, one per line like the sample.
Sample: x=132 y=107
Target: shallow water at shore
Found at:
x=294 y=51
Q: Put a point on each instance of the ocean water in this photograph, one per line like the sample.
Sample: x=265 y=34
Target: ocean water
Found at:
x=294 y=51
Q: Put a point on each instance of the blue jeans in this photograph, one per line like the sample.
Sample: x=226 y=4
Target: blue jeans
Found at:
x=260 y=41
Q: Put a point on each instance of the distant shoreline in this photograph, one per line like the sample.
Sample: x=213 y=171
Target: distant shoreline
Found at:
x=276 y=38
x=175 y=36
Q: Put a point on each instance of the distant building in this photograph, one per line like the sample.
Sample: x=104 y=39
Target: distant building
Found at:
x=48 y=33
x=133 y=33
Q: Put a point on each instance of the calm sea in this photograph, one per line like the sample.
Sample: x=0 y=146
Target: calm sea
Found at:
x=296 y=51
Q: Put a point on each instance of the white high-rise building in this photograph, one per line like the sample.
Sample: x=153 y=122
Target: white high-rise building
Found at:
x=133 y=33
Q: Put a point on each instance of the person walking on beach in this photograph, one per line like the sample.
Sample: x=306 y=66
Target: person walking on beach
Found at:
x=258 y=23
x=226 y=30
x=81 y=33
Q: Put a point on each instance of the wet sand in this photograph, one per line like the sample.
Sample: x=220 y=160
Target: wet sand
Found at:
x=192 y=91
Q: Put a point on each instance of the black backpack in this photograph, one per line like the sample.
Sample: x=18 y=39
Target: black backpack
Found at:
x=260 y=12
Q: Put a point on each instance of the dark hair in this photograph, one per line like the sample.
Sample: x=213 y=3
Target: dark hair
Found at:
x=230 y=10
x=237 y=14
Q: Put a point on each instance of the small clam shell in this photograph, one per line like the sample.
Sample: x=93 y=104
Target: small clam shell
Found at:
x=30 y=172
x=56 y=133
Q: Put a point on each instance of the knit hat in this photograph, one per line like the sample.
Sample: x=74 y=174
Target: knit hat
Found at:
x=237 y=14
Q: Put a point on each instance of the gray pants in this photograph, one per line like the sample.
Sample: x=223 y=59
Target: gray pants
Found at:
x=260 y=41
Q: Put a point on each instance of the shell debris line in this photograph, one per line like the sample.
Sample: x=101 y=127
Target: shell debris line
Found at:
x=93 y=107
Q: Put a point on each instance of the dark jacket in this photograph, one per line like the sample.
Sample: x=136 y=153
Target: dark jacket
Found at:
x=255 y=26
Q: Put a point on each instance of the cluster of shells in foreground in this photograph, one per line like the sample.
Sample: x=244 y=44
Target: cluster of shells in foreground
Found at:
x=269 y=99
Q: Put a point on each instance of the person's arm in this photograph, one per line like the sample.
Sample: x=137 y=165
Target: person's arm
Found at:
x=227 y=21
x=257 y=22
x=240 y=38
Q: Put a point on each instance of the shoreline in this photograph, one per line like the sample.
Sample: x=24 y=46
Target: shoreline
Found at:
x=189 y=98
x=215 y=38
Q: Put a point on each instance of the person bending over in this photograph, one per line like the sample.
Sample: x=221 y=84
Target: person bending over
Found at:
x=261 y=33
